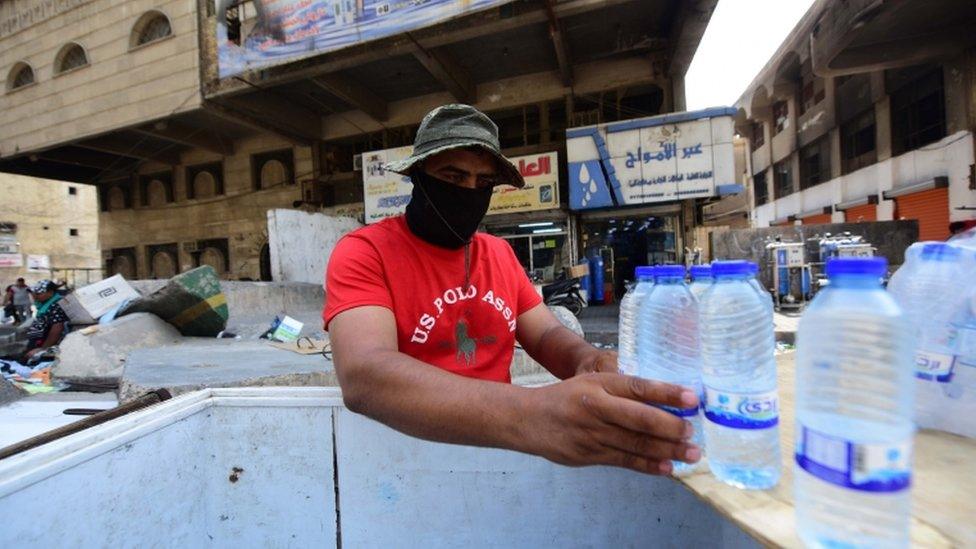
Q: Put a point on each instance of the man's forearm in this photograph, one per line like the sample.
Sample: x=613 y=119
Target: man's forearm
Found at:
x=562 y=352
x=426 y=402
x=53 y=336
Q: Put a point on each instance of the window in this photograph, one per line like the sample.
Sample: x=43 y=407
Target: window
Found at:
x=811 y=92
x=151 y=27
x=758 y=135
x=73 y=232
x=273 y=169
x=857 y=142
x=205 y=180
x=156 y=189
x=782 y=179
x=72 y=56
x=72 y=190
x=781 y=115
x=760 y=188
x=815 y=163
x=21 y=75
x=918 y=113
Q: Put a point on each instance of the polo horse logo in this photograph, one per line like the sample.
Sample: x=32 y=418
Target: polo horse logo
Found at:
x=467 y=346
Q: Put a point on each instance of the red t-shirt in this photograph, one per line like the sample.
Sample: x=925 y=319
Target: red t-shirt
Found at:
x=471 y=333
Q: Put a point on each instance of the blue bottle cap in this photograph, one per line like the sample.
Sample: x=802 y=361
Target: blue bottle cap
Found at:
x=701 y=271
x=644 y=271
x=940 y=251
x=868 y=266
x=671 y=270
x=731 y=267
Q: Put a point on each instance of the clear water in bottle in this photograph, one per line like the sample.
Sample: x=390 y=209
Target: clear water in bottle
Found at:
x=740 y=402
x=668 y=344
x=627 y=328
x=701 y=279
x=936 y=290
x=852 y=466
x=767 y=298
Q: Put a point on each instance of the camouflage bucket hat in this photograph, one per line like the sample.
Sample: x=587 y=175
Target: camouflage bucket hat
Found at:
x=456 y=127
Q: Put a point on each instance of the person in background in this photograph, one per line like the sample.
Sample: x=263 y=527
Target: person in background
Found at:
x=18 y=298
x=51 y=323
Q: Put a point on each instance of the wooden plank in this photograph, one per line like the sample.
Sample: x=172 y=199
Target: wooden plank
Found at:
x=944 y=479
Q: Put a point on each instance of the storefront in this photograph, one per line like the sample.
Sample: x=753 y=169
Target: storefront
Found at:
x=543 y=242
x=628 y=238
x=862 y=210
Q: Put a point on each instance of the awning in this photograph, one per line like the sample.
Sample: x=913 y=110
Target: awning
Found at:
x=934 y=183
x=869 y=199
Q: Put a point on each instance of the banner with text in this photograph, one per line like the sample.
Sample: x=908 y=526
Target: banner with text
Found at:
x=386 y=193
x=261 y=33
x=656 y=159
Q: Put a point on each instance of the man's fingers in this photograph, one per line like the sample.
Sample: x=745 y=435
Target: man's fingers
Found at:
x=651 y=392
x=607 y=362
x=649 y=466
x=638 y=417
x=650 y=447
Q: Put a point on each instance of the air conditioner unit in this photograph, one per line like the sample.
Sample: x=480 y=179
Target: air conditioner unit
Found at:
x=357 y=163
x=190 y=247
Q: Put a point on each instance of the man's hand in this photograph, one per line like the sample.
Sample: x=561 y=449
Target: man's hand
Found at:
x=607 y=419
x=601 y=361
x=32 y=352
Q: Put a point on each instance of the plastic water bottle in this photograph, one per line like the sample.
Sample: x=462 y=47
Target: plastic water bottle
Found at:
x=701 y=279
x=853 y=412
x=936 y=290
x=739 y=374
x=627 y=330
x=669 y=344
x=767 y=299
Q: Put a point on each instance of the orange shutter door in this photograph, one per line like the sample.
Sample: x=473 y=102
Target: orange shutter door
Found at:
x=930 y=208
x=862 y=213
x=816 y=219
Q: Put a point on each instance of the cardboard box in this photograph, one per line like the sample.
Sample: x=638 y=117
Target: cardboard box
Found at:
x=578 y=271
x=86 y=305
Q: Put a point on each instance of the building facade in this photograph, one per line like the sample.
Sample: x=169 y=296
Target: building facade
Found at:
x=866 y=113
x=48 y=229
x=192 y=118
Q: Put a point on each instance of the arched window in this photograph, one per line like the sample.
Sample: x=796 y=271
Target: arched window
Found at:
x=152 y=26
x=71 y=56
x=21 y=75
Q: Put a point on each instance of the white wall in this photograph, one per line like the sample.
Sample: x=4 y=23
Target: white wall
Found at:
x=301 y=243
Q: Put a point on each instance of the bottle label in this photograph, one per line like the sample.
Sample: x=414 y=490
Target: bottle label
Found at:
x=681 y=412
x=741 y=411
x=864 y=467
x=934 y=366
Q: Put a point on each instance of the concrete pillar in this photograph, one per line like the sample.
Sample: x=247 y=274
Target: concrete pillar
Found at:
x=836 y=162
x=678 y=93
x=882 y=124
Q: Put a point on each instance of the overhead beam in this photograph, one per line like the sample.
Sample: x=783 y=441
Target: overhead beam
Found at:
x=354 y=94
x=121 y=146
x=443 y=67
x=181 y=134
x=87 y=159
x=560 y=44
x=244 y=118
x=276 y=110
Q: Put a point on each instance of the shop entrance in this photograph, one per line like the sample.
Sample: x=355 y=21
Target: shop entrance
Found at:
x=541 y=247
x=628 y=241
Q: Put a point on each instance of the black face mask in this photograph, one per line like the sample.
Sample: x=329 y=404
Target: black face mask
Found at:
x=444 y=214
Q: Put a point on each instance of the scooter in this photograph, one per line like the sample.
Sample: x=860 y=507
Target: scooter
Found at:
x=565 y=293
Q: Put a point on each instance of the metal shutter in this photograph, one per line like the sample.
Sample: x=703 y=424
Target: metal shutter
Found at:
x=862 y=213
x=816 y=219
x=930 y=208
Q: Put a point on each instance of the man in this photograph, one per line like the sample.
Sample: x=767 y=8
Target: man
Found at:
x=50 y=324
x=423 y=314
x=18 y=297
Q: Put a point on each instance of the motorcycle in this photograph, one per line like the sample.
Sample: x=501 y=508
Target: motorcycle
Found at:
x=565 y=293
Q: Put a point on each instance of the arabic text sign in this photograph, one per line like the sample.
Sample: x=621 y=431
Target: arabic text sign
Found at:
x=386 y=193
x=11 y=260
x=657 y=159
x=38 y=263
x=285 y=30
